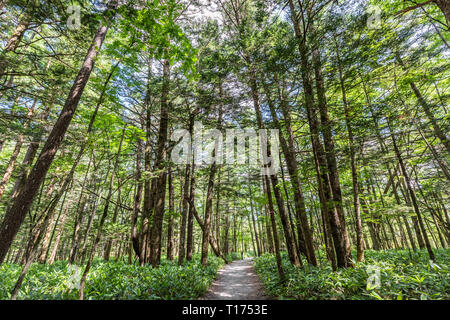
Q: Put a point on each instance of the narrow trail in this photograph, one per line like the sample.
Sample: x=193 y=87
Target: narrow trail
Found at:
x=237 y=281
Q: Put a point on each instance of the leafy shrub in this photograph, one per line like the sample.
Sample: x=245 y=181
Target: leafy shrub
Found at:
x=403 y=275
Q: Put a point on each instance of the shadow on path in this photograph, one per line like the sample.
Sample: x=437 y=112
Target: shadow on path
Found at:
x=237 y=281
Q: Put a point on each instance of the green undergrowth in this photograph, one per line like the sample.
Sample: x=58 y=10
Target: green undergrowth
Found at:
x=402 y=276
x=108 y=280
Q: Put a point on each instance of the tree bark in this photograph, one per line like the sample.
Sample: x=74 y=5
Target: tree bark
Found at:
x=190 y=228
x=185 y=206
x=58 y=237
x=13 y=159
x=102 y=219
x=211 y=239
x=288 y=148
x=356 y=201
x=170 y=227
x=137 y=203
x=157 y=223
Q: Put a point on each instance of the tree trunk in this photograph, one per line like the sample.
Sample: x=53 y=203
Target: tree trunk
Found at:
x=109 y=242
x=356 y=202
x=137 y=203
x=157 y=223
x=184 y=215
x=293 y=257
x=208 y=212
x=252 y=213
x=330 y=154
x=412 y=194
x=426 y=107
x=58 y=237
x=276 y=242
x=170 y=227
x=211 y=239
x=102 y=219
x=190 y=227
x=340 y=237
x=444 y=5
x=288 y=148
x=13 y=159
x=29 y=157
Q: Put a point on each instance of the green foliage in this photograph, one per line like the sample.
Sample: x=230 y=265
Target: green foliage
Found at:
x=403 y=276
x=239 y=256
x=109 y=280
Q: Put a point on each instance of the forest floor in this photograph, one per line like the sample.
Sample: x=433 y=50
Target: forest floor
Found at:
x=237 y=281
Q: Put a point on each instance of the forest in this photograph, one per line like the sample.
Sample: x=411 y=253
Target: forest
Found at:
x=162 y=149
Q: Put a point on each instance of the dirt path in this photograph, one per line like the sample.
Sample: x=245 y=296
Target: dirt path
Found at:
x=237 y=281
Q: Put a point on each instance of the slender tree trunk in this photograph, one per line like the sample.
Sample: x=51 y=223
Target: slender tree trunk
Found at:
x=58 y=236
x=293 y=257
x=185 y=200
x=94 y=205
x=170 y=227
x=208 y=212
x=47 y=231
x=109 y=242
x=157 y=223
x=426 y=107
x=252 y=213
x=148 y=187
x=102 y=219
x=218 y=215
x=137 y=203
x=288 y=148
x=29 y=158
x=226 y=242
x=340 y=237
x=13 y=159
x=81 y=207
x=412 y=195
x=14 y=41
x=184 y=215
x=356 y=202
x=276 y=242
x=190 y=227
x=330 y=154
x=209 y=197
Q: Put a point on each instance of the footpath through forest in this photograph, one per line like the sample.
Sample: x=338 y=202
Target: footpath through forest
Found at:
x=237 y=281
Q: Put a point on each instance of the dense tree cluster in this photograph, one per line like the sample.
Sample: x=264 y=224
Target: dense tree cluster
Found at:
x=357 y=89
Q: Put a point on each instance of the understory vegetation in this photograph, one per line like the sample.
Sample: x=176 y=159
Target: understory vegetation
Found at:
x=149 y=142
x=113 y=280
x=404 y=275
